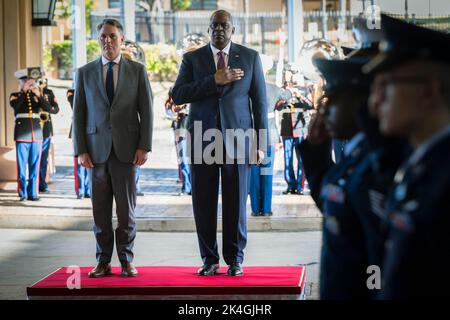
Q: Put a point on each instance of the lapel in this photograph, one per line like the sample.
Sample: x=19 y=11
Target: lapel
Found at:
x=233 y=63
x=99 y=79
x=123 y=67
x=234 y=58
x=209 y=58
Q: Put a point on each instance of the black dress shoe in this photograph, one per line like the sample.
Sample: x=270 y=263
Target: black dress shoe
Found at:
x=34 y=199
x=290 y=191
x=128 y=270
x=100 y=271
x=87 y=196
x=208 y=270
x=235 y=269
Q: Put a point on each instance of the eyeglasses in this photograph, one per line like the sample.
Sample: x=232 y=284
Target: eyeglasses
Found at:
x=215 y=25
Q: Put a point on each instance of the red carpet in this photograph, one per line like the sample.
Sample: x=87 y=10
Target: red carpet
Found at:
x=177 y=281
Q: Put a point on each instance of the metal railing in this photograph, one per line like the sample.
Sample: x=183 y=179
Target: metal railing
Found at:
x=259 y=31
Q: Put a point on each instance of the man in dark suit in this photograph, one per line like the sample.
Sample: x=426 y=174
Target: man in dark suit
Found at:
x=112 y=134
x=224 y=83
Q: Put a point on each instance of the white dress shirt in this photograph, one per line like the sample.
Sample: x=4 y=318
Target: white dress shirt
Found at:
x=115 y=70
x=225 y=50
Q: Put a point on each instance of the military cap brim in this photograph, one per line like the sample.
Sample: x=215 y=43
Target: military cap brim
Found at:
x=340 y=74
x=21 y=74
x=405 y=41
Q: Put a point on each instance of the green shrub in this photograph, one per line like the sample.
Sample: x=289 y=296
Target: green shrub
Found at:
x=162 y=61
x=180 y=5
x=59 y=54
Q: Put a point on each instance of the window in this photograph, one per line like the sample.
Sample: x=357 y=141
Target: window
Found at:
x=203 y=5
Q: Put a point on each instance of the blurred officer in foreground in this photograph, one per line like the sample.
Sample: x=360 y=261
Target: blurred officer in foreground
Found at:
x=47 y=130
x=27 y=103
x=353 y=233
x=81 y=174
x=411 y=96
x=343 y=258
x=261 y=175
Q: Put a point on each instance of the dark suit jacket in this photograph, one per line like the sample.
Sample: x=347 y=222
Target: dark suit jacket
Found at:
x=242 y=104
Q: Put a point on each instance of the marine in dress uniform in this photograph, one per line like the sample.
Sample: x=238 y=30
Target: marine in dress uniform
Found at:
x=179 y=125
x=47 y=132
x=411 y=98
x=295 y=119
x=81 y=174
x=27 y=104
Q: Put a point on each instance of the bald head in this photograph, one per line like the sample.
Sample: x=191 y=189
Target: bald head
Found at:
x=223 y=13
x=220 y=29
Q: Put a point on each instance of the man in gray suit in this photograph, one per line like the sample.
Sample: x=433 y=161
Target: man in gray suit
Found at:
x=112 y=129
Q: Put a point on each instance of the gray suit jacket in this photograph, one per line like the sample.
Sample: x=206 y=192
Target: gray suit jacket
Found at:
x=127 y=124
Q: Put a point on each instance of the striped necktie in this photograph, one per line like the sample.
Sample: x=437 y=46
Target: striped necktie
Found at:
x=221 y=61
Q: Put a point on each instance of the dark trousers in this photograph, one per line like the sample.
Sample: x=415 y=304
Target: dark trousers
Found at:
x=114 y=179
x=205 y=193
x=44 y=164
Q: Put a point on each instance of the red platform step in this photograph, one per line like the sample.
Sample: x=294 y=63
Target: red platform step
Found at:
x=163 y=282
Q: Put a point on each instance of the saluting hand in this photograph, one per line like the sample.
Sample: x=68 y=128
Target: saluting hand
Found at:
x=226 y=76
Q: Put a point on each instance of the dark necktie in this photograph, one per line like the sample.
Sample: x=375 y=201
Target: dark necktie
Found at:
x=220 y=65
x=110 y=82
x=221 y=61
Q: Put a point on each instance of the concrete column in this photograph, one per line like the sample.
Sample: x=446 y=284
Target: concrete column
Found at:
x=324 y=18
x=129 y=15
x=246 y=14
x=295 y=28
x=343 y=18
x=20 y=47
x=79 y=55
